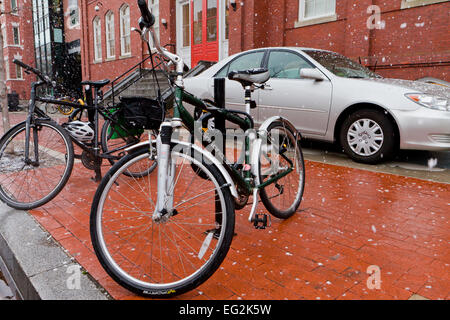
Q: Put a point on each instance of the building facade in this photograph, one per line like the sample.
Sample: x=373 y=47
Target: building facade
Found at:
x=45 y=34
x=406 y=39
x=74 y=39
x=17 y=32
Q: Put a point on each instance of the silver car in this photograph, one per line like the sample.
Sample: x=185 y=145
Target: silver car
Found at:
x=331 y=98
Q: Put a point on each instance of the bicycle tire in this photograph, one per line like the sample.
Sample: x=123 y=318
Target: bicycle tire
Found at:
x=190 y=237
x=56 y=158
x=285 y=208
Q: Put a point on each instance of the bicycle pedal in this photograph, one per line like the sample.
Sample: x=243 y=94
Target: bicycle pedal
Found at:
x=261 y=221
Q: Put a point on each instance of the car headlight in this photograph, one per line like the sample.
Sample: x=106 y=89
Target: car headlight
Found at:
x=429 y=101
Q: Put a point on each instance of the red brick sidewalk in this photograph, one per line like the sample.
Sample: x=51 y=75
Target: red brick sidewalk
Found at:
x=349 y=220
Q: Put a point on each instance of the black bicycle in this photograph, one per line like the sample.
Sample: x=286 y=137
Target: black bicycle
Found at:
x=37 y=155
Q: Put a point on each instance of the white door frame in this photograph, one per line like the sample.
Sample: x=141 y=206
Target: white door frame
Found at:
x=185 y=52
x=223 y=43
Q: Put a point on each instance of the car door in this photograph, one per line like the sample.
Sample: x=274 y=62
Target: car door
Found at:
x=304 y=102
x=234 y=92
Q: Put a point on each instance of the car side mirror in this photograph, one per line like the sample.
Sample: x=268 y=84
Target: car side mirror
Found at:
x=311 y=73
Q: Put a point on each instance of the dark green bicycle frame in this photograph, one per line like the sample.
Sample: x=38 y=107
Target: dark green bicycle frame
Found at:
x=180 y=112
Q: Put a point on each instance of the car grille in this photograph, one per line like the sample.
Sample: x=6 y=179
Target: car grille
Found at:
x=441 y=138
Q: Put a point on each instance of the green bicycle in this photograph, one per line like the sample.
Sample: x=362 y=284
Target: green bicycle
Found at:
x=166 y=233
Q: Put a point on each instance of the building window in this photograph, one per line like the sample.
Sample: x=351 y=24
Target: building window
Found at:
x=125 y=30
x=311 y=9
x=19 y=74
x=153 y=5
x=14 y=6
x=110 y=38
x=97 y=39
x=315 y=11
x=416 y=3
x=74 y=13
x=16 y=36
x=197 y=21
x=186 y=25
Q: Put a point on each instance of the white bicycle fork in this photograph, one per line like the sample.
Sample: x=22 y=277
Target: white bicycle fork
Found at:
x=166 y=174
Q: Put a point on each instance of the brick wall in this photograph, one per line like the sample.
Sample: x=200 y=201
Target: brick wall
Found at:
x=414 y=42
x=107 y=68
x=25 y=50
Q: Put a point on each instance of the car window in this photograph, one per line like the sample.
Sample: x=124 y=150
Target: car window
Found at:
x=286 y=65
x=245 y=62
x=341 y=65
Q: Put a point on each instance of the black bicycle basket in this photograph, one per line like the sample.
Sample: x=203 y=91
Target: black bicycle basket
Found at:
x=144 y=113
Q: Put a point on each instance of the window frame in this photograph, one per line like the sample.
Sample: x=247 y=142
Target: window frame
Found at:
x=306 y=21
x=73 y=8
x=267 y=58
x=125 y=12
x=183 y=24
x=157 y=17
x=227 y=66
x=19 y=72
x=14 y=9
x=14 y=27
x=407 y=4
x=97 y=28
x=110 y=35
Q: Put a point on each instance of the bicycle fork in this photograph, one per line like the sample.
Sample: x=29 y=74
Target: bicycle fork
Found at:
x=166 y=175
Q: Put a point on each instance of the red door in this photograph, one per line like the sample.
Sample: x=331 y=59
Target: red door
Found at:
x=205 y=31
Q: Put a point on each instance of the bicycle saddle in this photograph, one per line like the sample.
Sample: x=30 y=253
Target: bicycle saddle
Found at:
x=96 y=84
x=250 y=77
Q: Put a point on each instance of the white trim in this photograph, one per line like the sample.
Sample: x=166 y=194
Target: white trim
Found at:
x=123 y=34
x=97 y=29
x=184 y=52
x=406 y=4
x=18 y=35
x=154 y=8
x=325 y=17
x=110 y=42
x=223 y=43
x=7 y=71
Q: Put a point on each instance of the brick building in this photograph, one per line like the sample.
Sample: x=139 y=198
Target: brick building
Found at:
x=45 y=34
x=16 y=28
x=409 y=39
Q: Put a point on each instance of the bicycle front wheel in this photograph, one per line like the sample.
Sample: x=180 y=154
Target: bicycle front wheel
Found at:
x=168 y=256
x=281 y=153
x=26 y=184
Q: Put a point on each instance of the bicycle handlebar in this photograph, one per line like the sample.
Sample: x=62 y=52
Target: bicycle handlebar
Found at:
x=147 y=16
x=44 y=78
x=146 y=23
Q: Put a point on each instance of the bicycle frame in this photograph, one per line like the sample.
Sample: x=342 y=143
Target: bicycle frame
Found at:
x=245 y=182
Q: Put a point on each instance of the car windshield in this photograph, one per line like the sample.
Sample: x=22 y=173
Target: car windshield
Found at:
x=340 y=65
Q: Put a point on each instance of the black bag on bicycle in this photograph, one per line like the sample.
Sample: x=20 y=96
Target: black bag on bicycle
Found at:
x=144 y=113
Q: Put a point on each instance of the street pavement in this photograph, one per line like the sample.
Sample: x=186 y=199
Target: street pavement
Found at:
x=353 y=220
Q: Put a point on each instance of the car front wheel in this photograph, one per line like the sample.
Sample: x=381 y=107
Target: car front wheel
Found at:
x=368 y=136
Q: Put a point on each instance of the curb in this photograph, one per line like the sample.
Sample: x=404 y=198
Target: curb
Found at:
x=37 y=265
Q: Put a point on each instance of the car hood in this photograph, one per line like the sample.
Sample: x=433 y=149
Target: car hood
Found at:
x=415 y=86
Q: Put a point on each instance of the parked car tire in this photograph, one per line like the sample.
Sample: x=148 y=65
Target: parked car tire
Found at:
x=368 y=136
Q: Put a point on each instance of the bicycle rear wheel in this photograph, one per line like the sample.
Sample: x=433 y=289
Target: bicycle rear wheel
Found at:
x=28 y=185
x=114 y=138
x=175 y=254
x=282 y=152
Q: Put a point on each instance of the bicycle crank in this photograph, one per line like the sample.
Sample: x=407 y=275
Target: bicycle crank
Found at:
x=88 y=160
